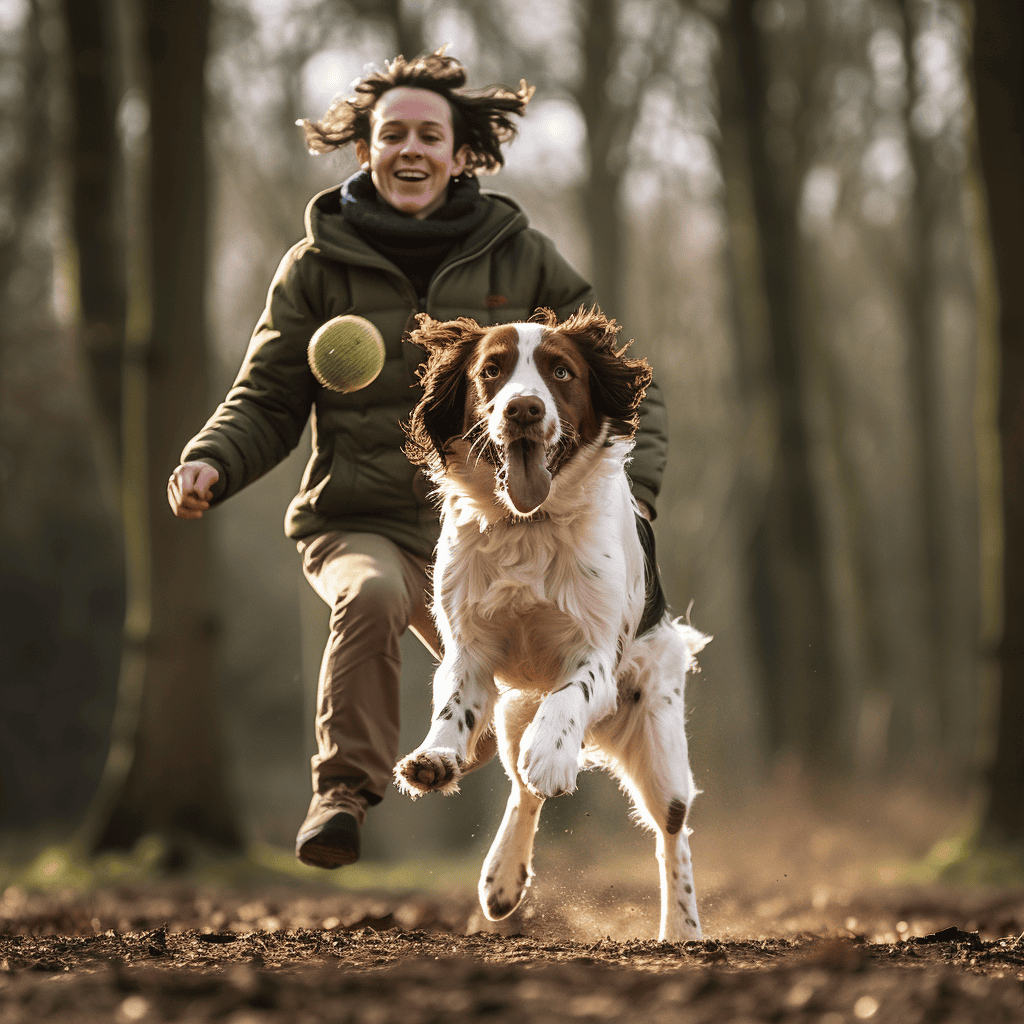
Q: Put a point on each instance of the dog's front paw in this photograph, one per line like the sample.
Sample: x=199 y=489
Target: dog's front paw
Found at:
x=549 y=766
x=429 y=771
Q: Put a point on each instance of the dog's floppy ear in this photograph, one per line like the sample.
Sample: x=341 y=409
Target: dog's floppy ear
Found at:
x=617 y=383
x=440 y=413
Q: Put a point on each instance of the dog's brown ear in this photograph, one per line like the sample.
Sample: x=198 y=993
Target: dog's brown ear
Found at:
x=436 y=335
x=545 y=316
x=617 y=383
x=439 y=414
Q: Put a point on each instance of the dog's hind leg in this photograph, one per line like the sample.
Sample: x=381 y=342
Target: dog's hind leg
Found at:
x=507 y=871
x=463 y=697
x=646 y=747
x=679 y=918
x=663 y=802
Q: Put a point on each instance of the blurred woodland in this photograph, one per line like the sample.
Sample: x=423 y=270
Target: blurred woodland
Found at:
x=807 y=214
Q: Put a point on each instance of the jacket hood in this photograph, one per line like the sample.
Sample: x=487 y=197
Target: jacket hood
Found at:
x=328 y=232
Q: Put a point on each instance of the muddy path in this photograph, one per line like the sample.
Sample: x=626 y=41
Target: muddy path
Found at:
x=837 y=937
x=284 y=957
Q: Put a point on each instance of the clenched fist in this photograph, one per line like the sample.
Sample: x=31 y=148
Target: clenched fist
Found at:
x=189 y=490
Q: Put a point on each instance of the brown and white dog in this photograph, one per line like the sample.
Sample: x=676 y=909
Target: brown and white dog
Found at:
x=552 y=618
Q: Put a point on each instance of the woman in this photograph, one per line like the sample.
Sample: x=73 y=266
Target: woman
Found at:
x=410 y=232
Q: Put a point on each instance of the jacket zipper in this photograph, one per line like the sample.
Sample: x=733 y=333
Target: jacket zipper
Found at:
x=459 y=262
x=421 y=302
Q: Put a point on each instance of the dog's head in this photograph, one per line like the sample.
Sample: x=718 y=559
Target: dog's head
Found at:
x=525 y=397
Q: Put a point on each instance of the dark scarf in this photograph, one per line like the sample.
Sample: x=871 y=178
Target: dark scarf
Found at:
x=416 y=247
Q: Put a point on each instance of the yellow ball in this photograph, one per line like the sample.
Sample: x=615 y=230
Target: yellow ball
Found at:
x=346 y=353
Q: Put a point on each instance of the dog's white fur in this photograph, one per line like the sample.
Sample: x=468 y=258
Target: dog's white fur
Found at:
x=538 y=616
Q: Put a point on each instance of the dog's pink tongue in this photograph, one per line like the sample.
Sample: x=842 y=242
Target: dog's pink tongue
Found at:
x=528 y=478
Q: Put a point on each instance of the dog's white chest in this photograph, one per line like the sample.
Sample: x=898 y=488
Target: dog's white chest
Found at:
x=531 y=648
x=528 y=601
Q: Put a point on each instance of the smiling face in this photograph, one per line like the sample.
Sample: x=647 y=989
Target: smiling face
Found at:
x=411 y=155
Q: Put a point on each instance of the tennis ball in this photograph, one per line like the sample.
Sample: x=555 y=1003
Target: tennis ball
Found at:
x=346 y=353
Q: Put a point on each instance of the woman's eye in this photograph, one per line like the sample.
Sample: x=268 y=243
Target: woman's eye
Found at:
x=561 y=373
x=490 y=371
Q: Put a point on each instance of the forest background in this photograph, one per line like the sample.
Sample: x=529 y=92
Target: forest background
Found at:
x=789 y=204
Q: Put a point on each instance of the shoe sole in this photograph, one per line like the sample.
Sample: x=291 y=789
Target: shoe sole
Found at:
x=323 y=855
x=330 y=844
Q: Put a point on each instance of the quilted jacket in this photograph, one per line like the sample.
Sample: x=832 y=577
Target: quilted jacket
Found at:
x=357 y=478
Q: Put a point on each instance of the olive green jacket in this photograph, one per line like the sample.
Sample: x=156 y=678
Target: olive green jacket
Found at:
x=358 y=478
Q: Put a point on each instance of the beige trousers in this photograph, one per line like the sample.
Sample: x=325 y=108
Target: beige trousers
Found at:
x=375 y=591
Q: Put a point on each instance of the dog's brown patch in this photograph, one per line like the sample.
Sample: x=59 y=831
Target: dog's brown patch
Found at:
x=676 y=816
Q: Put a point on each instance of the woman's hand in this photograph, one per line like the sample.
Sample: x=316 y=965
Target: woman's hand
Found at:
x=189 y=490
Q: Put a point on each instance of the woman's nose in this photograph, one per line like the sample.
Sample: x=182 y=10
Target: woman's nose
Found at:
x=412 y=144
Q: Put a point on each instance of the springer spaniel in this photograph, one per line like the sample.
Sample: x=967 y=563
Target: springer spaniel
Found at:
x=546 y=594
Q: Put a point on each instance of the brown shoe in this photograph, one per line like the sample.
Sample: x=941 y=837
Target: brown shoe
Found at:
x=329 y=837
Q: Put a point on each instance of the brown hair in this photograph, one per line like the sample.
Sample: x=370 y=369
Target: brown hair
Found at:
x=481 y=119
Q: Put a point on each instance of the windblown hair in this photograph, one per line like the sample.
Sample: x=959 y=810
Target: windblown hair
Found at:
x=481 y=119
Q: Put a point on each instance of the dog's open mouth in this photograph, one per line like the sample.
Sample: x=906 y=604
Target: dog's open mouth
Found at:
x=528 y=479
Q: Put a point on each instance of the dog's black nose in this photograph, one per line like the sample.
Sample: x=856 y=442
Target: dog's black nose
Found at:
x=524 y=410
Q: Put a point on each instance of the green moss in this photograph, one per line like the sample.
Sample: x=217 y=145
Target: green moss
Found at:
x=966 y=861
x=62 y=867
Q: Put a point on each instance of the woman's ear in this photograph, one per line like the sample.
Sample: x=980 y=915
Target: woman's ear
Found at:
x=363 y=154
x=462 y=159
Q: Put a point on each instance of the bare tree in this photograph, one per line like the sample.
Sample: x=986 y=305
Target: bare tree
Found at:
x=1000 y=114
x=791 y=591
x=27 y=131
x=60 y=582
x=936 y=270
x=610 y=103
x=608 y=129
x=30 y=142
x=406 y=20
x=95 y=207
x=165 y=772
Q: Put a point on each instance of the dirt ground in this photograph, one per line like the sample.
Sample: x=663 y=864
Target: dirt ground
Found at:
x=810 y=919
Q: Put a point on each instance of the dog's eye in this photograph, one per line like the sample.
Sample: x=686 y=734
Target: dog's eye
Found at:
x=490 y=371
x=562 y=373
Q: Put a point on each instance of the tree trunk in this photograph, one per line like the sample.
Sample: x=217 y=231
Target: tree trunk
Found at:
x=791 y=595
x=938 y=269
x=998 y=57
x=405 y=20
x=29 y=137
x=33 y=152
x=165 y=774
x=96 y=195
x=601 y=190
